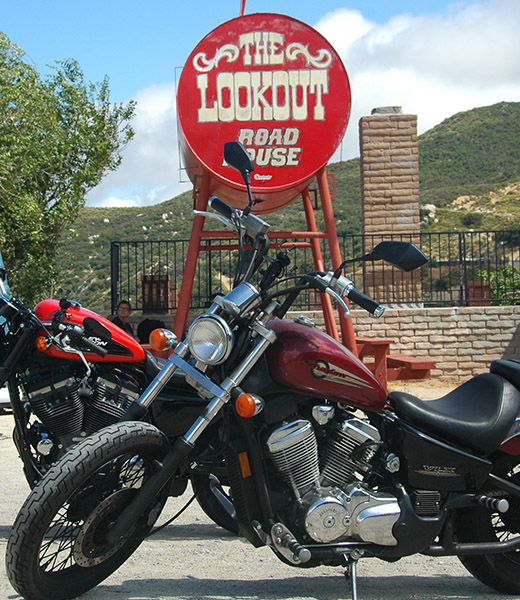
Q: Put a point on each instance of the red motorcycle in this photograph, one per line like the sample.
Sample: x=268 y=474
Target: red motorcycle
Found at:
x=322 y=466
x=71 y=372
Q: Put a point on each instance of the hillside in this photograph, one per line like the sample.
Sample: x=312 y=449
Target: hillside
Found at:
x=470 y=153
x=469 y=178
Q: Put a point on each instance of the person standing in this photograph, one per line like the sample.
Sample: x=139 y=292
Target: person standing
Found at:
x=123 y=311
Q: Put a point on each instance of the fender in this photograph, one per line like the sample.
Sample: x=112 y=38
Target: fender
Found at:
x=511 y=444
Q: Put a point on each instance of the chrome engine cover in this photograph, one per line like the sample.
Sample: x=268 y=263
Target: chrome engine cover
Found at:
x=333 y=504
x=335 y=516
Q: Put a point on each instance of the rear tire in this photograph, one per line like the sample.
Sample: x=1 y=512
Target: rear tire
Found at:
x=57 y=549
x=498 y=571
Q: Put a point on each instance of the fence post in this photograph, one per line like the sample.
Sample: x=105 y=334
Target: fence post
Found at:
x=114 y=275
x=463 y=286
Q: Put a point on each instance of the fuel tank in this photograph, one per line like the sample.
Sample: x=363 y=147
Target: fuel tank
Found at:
x=307 y=360
x=121 y=348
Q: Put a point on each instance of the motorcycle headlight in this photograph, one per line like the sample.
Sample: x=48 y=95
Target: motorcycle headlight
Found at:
x=210 y=339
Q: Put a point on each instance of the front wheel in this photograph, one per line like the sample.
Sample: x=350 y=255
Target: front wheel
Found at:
x=499 y=571
x=57 y=548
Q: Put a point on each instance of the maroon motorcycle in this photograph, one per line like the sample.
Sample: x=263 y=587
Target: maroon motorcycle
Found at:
x=320 y=464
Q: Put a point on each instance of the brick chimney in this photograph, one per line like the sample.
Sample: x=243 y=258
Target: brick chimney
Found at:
x=389 y=190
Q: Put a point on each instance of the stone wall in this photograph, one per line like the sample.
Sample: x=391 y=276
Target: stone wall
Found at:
x=461 y=340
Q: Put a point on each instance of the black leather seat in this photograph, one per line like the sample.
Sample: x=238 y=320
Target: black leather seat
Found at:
x=476 y=415
x=510 y=369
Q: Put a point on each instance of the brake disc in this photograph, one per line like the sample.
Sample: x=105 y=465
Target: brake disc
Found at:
x=91 y=546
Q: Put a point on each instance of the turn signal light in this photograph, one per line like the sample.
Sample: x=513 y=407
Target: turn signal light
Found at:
x=248 y=405
x=162 y=339
x=42 y=343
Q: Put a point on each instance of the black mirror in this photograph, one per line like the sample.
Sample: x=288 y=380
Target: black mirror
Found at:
x=238 y=157
x=96 y=329
x=404 y=255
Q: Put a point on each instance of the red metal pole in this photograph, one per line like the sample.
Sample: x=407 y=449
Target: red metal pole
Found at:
x=326 y=304
x=347 y=328
x=181 y=315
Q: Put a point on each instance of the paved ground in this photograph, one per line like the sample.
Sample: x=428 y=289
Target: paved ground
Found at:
x=194 y=560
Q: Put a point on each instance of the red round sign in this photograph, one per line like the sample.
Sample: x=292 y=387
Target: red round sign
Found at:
x=276 y=85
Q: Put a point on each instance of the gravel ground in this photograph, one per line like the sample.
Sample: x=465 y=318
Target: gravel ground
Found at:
x=194 y=559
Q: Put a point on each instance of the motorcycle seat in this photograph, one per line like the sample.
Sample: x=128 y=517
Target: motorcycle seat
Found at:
x=478 y=414
x=510 y=369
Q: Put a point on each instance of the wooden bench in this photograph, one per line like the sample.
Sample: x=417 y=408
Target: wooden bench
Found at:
x=401 y=366
x=379 y=349
x=390 y=367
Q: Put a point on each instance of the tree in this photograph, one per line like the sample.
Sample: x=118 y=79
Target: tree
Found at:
x=58 y=137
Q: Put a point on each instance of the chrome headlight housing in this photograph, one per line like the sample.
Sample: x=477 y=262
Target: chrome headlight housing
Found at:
x=210 y=339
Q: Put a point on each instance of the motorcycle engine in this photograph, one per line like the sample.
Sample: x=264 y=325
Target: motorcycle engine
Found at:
x=332 y=503
x=70 y=406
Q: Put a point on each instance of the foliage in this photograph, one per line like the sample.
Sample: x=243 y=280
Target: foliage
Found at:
x=471 y=152
x=58 y=138
x=503 y=283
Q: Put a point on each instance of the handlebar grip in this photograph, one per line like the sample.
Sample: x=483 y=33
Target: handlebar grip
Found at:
x=221 y=207
x=366 y=302
x=93 y=347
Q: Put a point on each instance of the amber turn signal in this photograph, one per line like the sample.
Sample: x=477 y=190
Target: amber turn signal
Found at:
x=162 y=339
x=41 y=343
x=248 y=405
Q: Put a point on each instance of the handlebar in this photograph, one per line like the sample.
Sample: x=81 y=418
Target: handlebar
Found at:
x=77 y=335
x=87 y=343
x=364 y=301
x=222 y=208
x=342 y=286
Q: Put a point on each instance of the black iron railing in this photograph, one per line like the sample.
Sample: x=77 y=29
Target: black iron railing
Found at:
x=465 y=268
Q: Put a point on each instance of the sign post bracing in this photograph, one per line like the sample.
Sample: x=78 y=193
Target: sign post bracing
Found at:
x=276 y=85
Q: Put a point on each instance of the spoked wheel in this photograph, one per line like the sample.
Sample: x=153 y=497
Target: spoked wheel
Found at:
x=58 y=547
x=499 y=571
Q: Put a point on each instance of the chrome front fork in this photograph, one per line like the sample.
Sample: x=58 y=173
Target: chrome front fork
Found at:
x=218 y=395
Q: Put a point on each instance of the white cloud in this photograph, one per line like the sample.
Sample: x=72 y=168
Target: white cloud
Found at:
x=432 y=66
x=149 y=172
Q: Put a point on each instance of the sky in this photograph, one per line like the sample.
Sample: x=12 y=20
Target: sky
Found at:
x=433 y=58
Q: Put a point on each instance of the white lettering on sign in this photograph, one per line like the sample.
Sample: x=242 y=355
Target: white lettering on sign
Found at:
x=263 y=137
x=242 y=96
x=279 y=95
x=262 y=48
x=274 y=148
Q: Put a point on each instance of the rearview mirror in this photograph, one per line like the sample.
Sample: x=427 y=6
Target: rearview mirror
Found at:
x=238 y=157
x=404 y=255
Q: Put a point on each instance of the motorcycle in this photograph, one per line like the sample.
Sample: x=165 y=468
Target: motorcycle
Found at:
x=323 y=466
x=70 y=372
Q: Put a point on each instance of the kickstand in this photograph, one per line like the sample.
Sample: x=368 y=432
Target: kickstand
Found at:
x=350 y=570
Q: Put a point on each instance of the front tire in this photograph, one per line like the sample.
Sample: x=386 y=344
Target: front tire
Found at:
x=57 y=548
x=498 y=571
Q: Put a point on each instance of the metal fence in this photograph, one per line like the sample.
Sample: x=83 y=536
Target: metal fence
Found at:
x=465 y=268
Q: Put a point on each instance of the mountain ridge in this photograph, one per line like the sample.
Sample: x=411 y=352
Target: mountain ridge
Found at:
x=469 y=177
